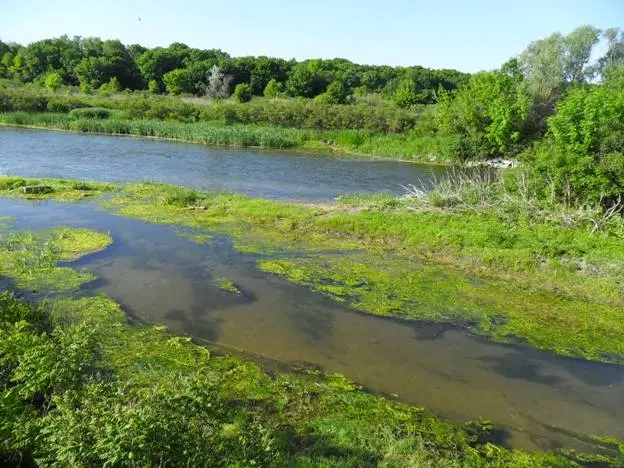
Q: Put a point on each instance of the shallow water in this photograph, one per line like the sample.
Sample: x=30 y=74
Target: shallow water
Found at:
x=161 y=277
x=262 y=173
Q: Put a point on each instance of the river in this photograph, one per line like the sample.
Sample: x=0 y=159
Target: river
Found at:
x=260 y=173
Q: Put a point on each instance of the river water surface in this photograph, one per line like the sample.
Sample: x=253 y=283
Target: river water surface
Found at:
x=158 y=276
x=260 y=173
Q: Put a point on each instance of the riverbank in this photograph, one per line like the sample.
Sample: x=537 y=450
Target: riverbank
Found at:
x=403 y=147
x=92 y=370
x=509 y=275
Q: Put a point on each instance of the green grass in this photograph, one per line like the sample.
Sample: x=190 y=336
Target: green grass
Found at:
x=88 y=388
x=407 y=146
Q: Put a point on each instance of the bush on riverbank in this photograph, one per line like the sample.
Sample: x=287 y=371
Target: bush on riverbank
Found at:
x=301 y=114
x=90 y=113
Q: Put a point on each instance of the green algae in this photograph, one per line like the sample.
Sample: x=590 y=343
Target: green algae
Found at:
x=315 y=417
x=29 y=258
x=226 y=284
x=58 y=189
x=312 y=405
x=500 y=310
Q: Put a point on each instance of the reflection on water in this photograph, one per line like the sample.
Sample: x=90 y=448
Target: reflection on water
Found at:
x=160 y=277
x=263 y=173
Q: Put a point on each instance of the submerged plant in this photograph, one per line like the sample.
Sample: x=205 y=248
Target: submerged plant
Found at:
x=225 y=284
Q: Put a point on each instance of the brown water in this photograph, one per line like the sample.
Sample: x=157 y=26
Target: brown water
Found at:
x=160 y=277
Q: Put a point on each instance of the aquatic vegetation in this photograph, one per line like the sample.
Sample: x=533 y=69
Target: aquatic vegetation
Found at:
x=508 y=279
x=163 y=397
x=225 y=284
x=5 y=222
x=29 y=258
x=393 y=286
x=199 y=237
x=59 y=189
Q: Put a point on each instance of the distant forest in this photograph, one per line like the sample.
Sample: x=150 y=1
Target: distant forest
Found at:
x=180 y=69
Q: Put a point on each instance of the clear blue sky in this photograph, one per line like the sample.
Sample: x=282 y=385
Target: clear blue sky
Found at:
x=469 y=35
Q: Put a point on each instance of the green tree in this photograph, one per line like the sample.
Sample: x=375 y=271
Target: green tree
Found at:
x=218 y=83
x=487 y=117
x=242 y=92
x=6 y=64
x=105 y=60
x=306 y=79
x=405 y=94
x=52 y=81
x=552 y=64
x=154 y=63
x=266 y=69
x=273 y=89
x=178 y=81
x=58 y=54
x=336 y=93
x=582 y=158
x=614 y=55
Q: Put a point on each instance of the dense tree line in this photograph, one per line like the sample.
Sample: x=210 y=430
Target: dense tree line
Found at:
x=180 y=69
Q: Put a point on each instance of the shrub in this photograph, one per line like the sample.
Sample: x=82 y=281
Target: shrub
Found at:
x=336 y=93
x=314 y=115
x=242 y=92
x=486 y=118
x=582 y=159
x=90 y=113
x=181 y=196
x=273 y=89
x=52 y=81
x=64 y=104
x=405 y=94
x=153 y=87
x=110 y=88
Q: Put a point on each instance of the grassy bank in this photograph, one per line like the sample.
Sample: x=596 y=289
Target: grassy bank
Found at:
x=408 y=146
x=505 y=272
x=80 y=386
